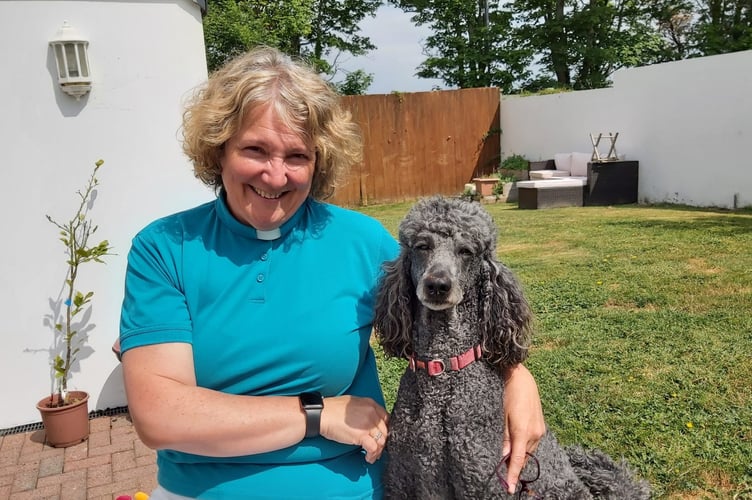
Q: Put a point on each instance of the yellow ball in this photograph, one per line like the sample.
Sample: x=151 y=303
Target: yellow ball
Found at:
x=140 y=496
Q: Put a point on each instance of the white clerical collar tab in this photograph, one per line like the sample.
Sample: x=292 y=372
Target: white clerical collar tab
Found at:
x=268 y=235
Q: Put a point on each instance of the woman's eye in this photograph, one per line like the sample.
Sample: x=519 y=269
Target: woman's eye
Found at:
x=255 y=150
x=298 y=159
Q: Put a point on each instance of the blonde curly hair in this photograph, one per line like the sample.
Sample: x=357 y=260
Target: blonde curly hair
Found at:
x=304 y=102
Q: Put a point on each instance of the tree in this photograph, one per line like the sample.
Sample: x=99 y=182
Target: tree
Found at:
x=582 y=42
x=674 y=21
x=356 y=83
x=334 y=30
x=320 y=31
x=723 y=26
x=233 y=26
x=542 y=27
x=472 y=43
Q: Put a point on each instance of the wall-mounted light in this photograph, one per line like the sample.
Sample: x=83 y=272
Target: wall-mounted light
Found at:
x=71 y=55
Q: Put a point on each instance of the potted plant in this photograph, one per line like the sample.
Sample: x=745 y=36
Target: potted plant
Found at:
x=470 y=193
x=504 y=188
x=65 y=413
x=516 y=166
x=484 y=186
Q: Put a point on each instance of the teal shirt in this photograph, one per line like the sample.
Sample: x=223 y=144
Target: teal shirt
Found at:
x=275 y=317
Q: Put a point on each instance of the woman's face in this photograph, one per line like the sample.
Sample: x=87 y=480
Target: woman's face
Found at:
x=267 y=171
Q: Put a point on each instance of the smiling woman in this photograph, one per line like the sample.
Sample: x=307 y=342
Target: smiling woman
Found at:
x=267 y=170
x=208 y=298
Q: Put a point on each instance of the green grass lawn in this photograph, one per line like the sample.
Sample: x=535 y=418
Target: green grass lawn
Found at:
x=643 y=343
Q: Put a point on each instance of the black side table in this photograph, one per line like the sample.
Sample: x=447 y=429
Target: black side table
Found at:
x=612 y=183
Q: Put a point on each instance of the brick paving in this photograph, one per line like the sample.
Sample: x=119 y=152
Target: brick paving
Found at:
x=111 y=463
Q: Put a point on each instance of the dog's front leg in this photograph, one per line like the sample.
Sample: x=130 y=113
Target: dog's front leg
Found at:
x=416 y=469
x=475 y=424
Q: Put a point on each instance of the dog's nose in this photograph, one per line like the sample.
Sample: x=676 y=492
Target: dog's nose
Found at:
x=438 y=284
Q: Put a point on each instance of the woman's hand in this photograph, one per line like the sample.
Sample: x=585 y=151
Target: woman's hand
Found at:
x=354 y=420
x=524 y=423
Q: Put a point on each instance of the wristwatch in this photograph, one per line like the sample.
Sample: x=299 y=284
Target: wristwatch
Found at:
x=312 y=404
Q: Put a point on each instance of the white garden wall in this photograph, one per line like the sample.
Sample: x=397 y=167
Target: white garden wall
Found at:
x=145 y=57
x=687 y=122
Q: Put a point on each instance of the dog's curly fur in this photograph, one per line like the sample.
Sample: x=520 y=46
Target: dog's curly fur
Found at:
x=443 y=295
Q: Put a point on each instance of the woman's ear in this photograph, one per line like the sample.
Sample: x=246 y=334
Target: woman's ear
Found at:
x=393 y=320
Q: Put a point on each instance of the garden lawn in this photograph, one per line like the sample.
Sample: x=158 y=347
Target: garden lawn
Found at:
x=643 y=343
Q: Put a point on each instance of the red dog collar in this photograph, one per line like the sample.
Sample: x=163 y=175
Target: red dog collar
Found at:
x=438 y=366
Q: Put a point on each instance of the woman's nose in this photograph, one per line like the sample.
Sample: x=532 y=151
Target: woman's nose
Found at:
x=277 y=162
x=276 y=171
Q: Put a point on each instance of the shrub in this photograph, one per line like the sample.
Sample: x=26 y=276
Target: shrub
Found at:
x=498 y=188
x=515 y=162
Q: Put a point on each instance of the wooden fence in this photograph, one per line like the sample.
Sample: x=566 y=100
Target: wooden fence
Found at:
x=423 y=143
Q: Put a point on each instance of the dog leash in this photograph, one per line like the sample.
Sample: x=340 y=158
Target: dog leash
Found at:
x=522 y=486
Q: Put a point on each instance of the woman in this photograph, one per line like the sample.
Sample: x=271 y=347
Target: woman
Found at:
x=246 y=321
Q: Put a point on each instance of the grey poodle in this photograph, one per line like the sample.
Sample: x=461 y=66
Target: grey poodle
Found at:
x=459 y=316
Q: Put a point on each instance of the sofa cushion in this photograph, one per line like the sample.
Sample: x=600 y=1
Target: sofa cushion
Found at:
x=547 y=174
x=579 y=164
x=563 y=161
x=552 y=183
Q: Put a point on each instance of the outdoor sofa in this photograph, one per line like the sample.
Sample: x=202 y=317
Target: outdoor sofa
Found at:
x=572 y=179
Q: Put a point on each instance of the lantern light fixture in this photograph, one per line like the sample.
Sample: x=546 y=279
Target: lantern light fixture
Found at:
x=72 y=60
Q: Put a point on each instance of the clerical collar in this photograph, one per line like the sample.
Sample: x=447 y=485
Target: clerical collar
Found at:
x=268 y=235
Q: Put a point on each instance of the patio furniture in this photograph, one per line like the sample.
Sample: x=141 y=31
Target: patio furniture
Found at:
x=611 y=155
x=612 y=182
x=550 y=193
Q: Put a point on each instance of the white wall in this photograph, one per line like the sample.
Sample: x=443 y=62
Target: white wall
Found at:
x=687 y=122
x=145 y=58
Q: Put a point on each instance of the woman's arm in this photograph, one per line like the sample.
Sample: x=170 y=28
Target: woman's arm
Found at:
x=170 y=412
x=524 y=423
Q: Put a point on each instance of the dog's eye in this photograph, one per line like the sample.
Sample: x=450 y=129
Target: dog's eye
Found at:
x=465 y=252
x=422 y=247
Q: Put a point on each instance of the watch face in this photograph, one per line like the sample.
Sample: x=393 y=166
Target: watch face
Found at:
x=311 y=400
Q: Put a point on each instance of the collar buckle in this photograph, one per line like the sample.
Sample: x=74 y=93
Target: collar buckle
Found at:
x=435 y=367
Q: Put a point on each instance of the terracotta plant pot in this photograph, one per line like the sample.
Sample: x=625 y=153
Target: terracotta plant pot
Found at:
x=65 y=425
x=484 y=185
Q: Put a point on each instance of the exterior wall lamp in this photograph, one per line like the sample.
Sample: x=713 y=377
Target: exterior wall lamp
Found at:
x=71 y=55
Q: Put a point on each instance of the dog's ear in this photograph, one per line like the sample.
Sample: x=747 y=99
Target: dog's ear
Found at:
x=393 y=319
x=506 y=316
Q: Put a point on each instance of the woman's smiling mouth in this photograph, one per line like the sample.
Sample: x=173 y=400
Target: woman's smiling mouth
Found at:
x=265 y=194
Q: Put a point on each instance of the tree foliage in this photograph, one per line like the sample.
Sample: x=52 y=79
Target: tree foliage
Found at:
x=472 y=43
x=513 y=44
x=355 y=83
x=723 y=26
x=534 y=44
x=335 y=30
x=581 y=43
x=233 y=26
x=320 y=31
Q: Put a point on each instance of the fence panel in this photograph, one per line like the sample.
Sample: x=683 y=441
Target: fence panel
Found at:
x=423 y=143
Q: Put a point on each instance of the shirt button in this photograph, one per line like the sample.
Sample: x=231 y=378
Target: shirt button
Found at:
x=264 y=256
x=260 y=278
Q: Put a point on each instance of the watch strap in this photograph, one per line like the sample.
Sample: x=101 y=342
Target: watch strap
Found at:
x=312 y=404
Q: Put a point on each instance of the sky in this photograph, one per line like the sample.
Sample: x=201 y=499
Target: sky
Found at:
x=398 y=53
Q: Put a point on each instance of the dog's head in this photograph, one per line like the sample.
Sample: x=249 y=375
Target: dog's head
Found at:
x=447 y=256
